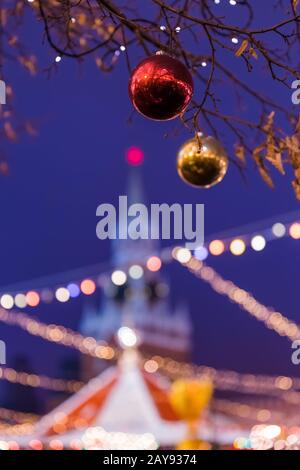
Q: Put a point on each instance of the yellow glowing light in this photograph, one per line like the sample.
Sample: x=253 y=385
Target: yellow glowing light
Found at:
x=20 y=301
x=136 y=271
x=295 y=231
x=7 y=301
x=32 y=298
x=216 y=247
x=237 y=247
x=183 y=255
x=154 y=263
x=118 y=278
x=258 y=243
x=62 y=294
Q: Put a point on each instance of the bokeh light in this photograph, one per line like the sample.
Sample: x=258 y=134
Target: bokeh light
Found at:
x=7 y=301
x=74 y=290
x=136 y=271
x=32 y=298
x=258 y=243
x=47 y=296
x=20 y=301
x=134 y=156
x=36 y=444
x=237 y=247
x=127 y=337
x=151 y=366
x=216 y=247
x=279 y=230
x=88 y=286
x=118 y=278
x=183 y=255
x=295 y=231
x=62 y=294
x=154 y=263
x=201 y=253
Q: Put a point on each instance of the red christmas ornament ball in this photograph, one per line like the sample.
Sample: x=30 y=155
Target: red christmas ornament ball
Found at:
x=161 y=87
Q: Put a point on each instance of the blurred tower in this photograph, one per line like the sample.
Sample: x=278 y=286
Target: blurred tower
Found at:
x=142 y=303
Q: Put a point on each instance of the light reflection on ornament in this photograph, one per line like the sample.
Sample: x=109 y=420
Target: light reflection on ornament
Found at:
x=202 y=163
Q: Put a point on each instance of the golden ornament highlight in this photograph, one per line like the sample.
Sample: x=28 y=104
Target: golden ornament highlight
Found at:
x=202 y=162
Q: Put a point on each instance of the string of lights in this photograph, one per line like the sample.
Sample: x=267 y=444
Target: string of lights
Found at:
x=225 y=380
x=252 y=236
x=58 y=334
x=256 y=240
x=17 y=416
x=22 y=429
x=282 y=387
x=39 y=381
x=273 y=320
x=246 y=411
x=87 y=286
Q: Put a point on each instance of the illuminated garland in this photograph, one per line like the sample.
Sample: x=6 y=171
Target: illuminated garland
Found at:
x=17 y=416
x=58 y=334
x=246 y=411
x=16 y=430
x=282 y=387
x=225 y=380
x=256 y=240
x=87 y=285
x=273 y=320
x=39 y=381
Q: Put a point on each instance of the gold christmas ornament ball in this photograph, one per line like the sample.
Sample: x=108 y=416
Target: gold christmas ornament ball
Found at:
x=202 y=163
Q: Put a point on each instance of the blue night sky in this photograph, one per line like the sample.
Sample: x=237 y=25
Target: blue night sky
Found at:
x=58 y=178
